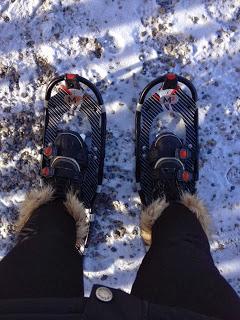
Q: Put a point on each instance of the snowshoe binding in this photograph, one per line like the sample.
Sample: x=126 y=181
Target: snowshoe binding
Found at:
x=167 y=139
x=74 y=140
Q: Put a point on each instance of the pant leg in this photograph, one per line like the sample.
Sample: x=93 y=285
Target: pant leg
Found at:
x=178 y=269
x=44 y=263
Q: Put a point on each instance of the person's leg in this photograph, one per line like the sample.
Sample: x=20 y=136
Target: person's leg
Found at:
x=178 y=269
x=45 y=262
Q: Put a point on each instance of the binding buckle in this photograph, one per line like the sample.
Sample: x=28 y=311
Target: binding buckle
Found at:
x=47 y=172
x=183 y=154
x=49 y=151
x=185 y=176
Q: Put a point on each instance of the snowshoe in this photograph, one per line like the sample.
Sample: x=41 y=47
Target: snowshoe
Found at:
x=166 y=139
x=74 y=139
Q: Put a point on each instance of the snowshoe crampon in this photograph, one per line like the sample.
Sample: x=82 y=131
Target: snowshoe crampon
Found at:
x=167 y=105
x=75 y=114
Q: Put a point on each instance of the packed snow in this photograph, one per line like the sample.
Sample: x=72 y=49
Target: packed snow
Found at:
x=120 y=46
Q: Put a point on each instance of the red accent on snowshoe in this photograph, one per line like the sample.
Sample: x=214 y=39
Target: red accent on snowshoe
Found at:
x=45 y=172
x=174 y=91
x=48 y=151
x=65 y=89
x=171 y=76
x=183 y=154
x=186 y=176
x=70 y=76
x=156 y=97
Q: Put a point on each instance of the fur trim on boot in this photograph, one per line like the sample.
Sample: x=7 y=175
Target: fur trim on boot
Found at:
x=151 y=213
x=148 y=217
x=77 y=210
x=197 y=207
x=33 y=200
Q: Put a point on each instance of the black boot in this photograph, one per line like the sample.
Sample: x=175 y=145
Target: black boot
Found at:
x=167 y=156
x=66 y=162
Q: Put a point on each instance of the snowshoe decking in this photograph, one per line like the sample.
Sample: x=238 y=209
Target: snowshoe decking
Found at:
x=168 y=109
x=79 y=98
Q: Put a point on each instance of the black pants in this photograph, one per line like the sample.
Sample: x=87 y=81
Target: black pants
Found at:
x=178 y=270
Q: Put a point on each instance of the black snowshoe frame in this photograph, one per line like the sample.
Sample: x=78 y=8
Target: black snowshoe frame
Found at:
x=93 y=108
x=147 y=110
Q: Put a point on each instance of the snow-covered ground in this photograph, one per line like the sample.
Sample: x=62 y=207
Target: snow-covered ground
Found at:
x=121 y=45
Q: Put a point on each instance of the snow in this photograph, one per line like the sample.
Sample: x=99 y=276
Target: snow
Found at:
x=121 y=45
